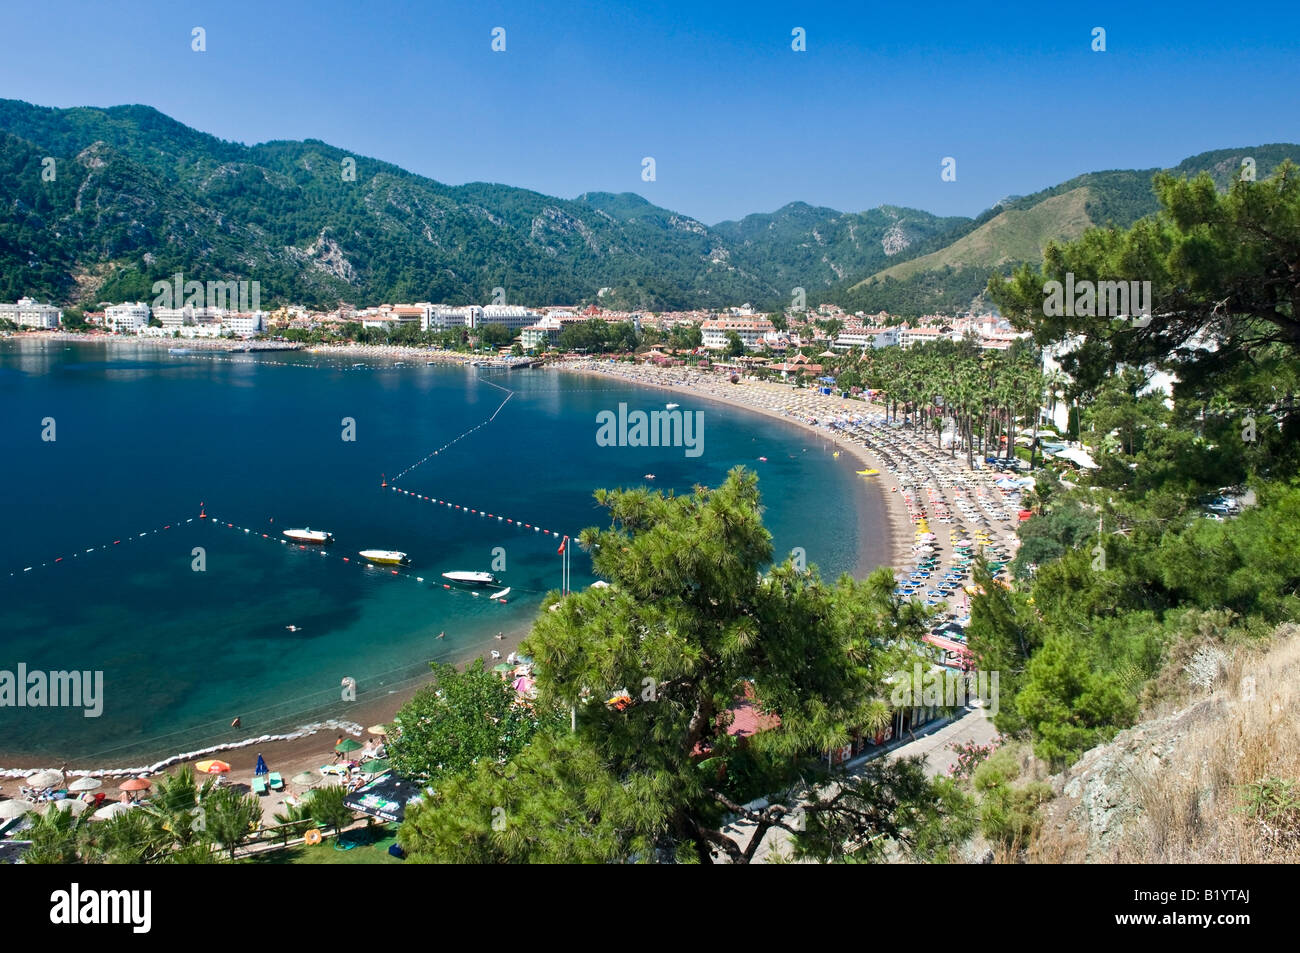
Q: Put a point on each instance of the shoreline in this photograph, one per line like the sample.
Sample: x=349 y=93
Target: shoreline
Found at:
x=123 y=340
x=299 y=749
x=897 y=521
x=288 y=752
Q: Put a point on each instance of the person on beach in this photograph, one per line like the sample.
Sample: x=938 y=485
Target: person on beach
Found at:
x=338 y=755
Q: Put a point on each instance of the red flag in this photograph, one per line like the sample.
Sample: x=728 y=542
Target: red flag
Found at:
x=564 y=542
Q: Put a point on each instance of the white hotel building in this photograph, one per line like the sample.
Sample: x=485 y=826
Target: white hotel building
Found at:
x=439 y=317
x=26 y=313
x=865 y=337
x=750 y=330
x=126 y=318
x=210 y=322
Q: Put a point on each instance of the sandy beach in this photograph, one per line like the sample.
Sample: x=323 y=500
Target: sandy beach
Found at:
x=762 y=398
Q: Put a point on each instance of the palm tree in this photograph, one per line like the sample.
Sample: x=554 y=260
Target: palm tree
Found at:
x=231 y=817
x=56 y=837
x=176 y=808
x=327 y=805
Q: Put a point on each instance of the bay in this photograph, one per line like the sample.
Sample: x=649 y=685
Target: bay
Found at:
x=143 y=438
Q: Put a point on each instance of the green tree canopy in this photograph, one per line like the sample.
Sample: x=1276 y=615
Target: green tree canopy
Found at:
x=464 y=717
x=688 y=628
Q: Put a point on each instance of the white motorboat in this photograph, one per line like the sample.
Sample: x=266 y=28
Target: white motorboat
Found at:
x=471 y=578
x=308 y=535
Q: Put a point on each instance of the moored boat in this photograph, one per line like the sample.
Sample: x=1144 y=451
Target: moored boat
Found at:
x=308 y=535
x=471 y=578
x=388 y=557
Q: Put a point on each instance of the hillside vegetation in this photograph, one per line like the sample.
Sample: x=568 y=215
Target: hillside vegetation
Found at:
x=137 y=196
x=950 y=277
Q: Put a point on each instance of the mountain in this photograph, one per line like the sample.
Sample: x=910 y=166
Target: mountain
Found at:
x=817 y=248
x=953 y=276
x=137 y=196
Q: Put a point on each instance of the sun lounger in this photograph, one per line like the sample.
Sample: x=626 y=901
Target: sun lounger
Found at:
x=276 y=782
x=259 y=784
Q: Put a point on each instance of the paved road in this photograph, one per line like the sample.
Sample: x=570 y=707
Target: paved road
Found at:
x=972 y=725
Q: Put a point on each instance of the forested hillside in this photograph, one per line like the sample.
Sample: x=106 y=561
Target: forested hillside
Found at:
x=97 y=204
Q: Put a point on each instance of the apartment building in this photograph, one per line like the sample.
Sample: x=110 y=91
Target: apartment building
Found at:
x=126 y=318
x=751 y=331
x=27 y=313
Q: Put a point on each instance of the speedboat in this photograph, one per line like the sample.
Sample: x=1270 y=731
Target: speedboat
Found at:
x=316 y=536
x=471 y=578
x=672 y=406
x=649 y=476
x=386 y=556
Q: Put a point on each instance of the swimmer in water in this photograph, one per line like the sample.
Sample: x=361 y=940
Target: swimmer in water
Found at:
x=441 y=634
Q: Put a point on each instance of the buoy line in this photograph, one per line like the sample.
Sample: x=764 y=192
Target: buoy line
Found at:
x=361 y=561
x=519 y=524
x=457 y=439
x=92 y=549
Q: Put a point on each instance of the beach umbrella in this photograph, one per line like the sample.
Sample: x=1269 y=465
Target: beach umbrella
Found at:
x=135 y=784
x=374 y=766
x=15 y=808
x=212 y=767
x=503 y=667
x=261 y=767
x=45 y=779
x=73 y=806
x=347 y=744
x=305 y=778
x=110 y=811
x=378 y=729
x=85 y=784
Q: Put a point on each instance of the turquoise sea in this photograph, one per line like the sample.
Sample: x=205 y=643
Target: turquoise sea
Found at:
x=143 y=437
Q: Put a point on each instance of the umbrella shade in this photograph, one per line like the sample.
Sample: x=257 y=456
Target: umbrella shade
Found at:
x=378 y=729
x=15 y=808
x=45 y=779
x=212 y=767
x=261 y=767
x=85 y=784
x=347 y=744
x=73 y=806
x=374 y=766
x=135 y=784
x=110 y=811
x=307 y=778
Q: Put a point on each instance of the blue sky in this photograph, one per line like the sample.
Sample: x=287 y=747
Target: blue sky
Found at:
x=736 y=120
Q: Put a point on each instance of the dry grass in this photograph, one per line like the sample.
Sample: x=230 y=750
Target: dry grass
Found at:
x=1188 y=778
